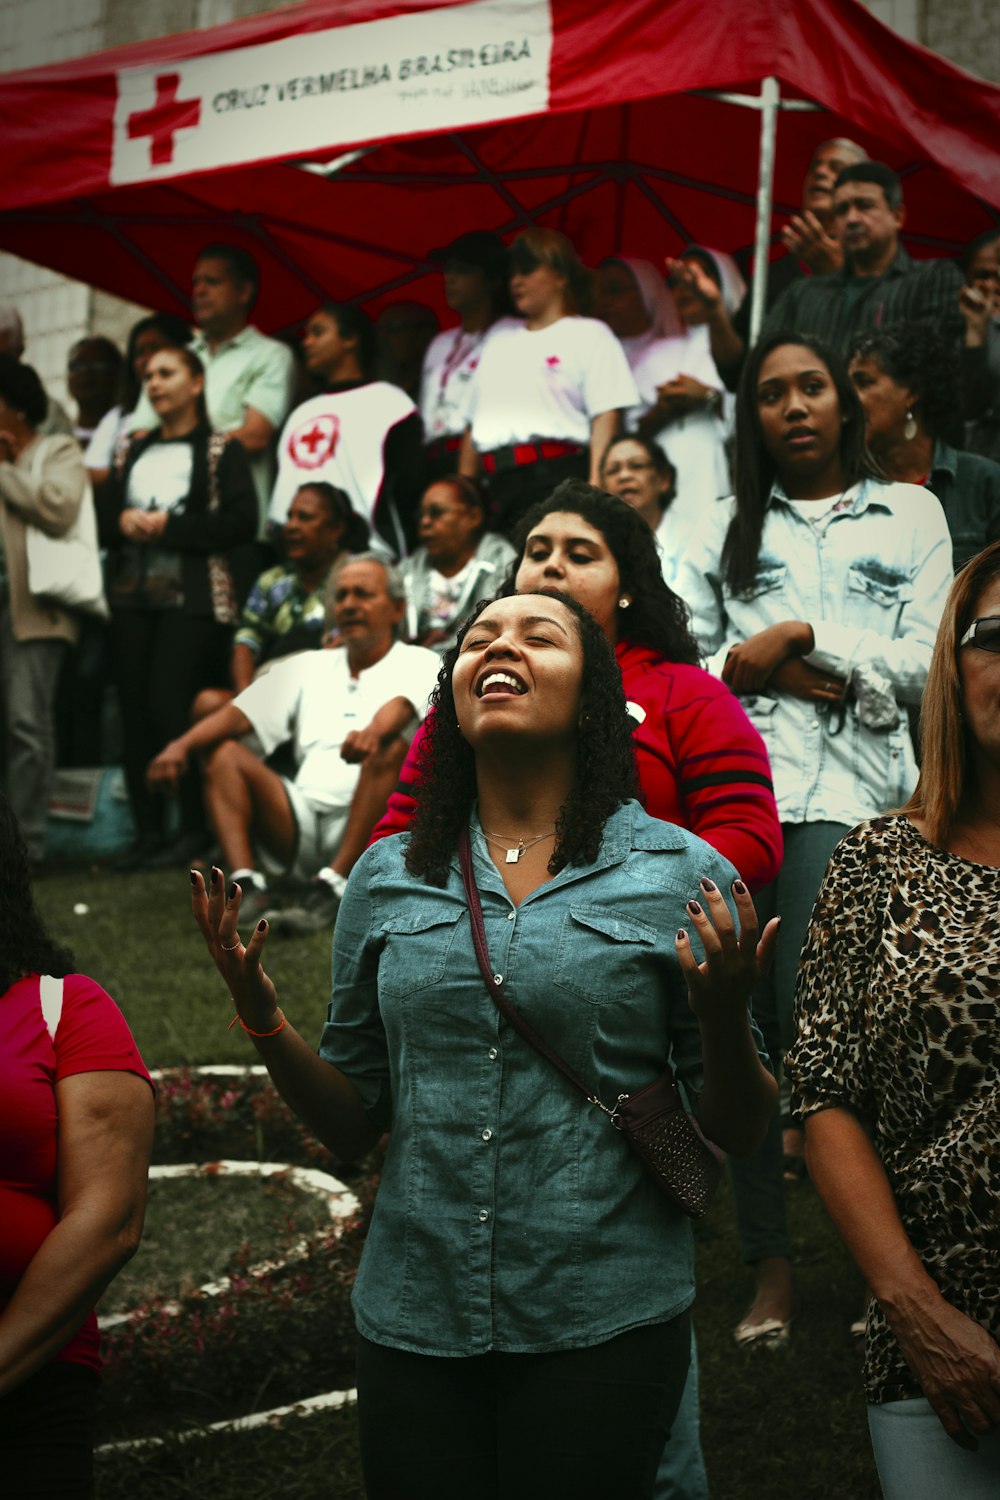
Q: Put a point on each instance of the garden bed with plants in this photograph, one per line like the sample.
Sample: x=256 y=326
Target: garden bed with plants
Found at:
x=275 y=1327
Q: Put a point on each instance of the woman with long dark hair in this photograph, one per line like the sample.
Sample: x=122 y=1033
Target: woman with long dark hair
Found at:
x=146 y=338
x=76 y=1131
x=518 y=1252
x=178 y=503
x=895 y=1067
x=816 y=591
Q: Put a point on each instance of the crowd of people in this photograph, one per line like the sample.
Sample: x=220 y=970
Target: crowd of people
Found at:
x=679 y=612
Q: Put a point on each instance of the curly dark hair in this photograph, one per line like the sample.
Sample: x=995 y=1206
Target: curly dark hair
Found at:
x=917 y=355
x=25 y=946
x=605 y=764
x=656 y=617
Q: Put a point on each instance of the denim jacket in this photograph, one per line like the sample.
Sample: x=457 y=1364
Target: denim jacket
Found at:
x=511 y=1214
x=871 y=580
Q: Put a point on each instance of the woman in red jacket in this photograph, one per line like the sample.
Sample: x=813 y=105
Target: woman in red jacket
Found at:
x=701 y=763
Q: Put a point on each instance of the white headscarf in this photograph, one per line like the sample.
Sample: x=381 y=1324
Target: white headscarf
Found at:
x=656 y=299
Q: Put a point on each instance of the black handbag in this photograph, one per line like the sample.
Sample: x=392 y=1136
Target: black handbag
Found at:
x=683 y=1164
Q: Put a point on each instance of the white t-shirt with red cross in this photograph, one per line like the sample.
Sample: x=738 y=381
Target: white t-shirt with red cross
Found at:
x=339 y=438
x=533 y=384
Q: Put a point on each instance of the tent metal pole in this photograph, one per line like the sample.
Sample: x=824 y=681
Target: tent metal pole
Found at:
x=770 y=103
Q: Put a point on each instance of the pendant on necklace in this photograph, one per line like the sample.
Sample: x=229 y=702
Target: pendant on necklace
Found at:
x=513 y=855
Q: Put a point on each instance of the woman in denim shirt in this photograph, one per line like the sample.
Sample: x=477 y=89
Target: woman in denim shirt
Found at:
x=817 y=593
x=523 y=1299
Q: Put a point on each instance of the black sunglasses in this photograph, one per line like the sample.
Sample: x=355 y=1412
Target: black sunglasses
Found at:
x=983 y=633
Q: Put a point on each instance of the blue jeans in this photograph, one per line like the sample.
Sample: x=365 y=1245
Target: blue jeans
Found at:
x=917 y=1460
x=758 y=1181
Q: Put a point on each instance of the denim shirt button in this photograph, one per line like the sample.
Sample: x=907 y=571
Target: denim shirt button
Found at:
x=484 y=1214
x=498 y=979
x=493 y=1054
x=487 y=1134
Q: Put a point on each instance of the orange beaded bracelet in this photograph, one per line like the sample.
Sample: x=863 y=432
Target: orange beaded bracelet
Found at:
x=250 y=1032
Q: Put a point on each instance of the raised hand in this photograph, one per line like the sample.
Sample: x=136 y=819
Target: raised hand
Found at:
x=736 y=959
x=217 y=914
x=805 y=237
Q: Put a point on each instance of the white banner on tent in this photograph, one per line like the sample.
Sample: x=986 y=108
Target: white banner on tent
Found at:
x=453 y=67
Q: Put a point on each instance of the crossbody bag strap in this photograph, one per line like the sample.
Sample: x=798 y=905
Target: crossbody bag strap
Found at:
x=495 y=986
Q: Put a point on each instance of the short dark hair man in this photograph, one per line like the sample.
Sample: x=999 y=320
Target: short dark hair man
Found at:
x=879 y=283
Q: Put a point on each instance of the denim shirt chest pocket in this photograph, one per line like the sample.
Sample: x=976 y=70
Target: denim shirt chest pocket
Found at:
x=884 y=590
x=599 y=953
x=417 y=947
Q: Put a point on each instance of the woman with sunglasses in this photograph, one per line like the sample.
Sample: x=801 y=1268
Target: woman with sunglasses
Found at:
x=547 y=394
x=522 y=1302
x=817 y=591
x=896 y=1065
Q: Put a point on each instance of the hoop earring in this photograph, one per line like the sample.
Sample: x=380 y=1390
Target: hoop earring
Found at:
x=910 y=427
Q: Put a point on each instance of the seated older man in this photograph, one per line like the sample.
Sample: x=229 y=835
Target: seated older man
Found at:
x=346 y=711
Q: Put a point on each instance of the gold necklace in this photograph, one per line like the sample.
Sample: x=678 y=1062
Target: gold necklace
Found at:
x=513 y=855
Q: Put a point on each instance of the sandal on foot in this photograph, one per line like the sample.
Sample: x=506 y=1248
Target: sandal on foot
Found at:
x=772 y=1333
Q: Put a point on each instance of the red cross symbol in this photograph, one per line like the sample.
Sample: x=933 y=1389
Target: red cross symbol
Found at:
x=314 y=443
x=168 y=115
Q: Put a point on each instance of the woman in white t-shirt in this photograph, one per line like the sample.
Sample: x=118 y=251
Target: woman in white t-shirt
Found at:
x=682 y=401
x=547 y=395
x=474 y=270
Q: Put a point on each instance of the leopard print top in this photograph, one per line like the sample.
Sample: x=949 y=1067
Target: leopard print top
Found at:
x=898 y=1016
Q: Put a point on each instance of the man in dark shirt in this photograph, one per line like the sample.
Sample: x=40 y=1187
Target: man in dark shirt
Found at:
x=878 y=283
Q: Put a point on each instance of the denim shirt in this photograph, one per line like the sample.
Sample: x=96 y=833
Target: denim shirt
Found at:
x=511 y=1214
x=871 y=580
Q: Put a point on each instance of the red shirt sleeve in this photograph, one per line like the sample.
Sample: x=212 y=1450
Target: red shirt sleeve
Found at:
x=93 y=1035
x=403 y=800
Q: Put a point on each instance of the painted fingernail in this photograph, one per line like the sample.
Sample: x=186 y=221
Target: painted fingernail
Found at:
x=739 y=888
x=706 y=884
x=216 y=872
x=694 y=908
x=262 y=925
x=231 y=893
x=682 y=936
x=194 y=876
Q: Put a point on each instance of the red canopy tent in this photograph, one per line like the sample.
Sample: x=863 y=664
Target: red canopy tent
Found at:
x=342 y=142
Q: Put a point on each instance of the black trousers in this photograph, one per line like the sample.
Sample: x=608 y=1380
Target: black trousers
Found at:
x=47 y=1435
x=578 y=1424
x=162 y=658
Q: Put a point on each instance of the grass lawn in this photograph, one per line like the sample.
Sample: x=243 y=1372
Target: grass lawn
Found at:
x=785 y=1426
